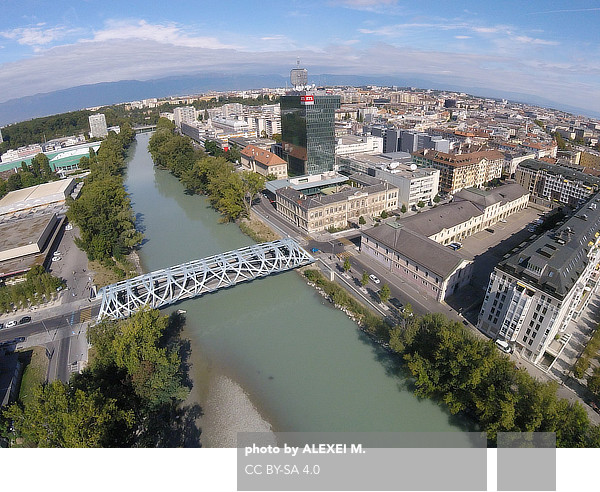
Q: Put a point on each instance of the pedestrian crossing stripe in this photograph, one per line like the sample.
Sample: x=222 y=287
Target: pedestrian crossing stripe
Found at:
x=344 y=255
x=85 y=315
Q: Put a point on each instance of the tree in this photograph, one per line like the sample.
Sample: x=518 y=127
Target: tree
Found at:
x=347 y=265
x=421 y=204
x=252 y=184
x=263 y=134
x=213 y=148
x=384 y=293
x=135 y=345
x=364 y=280
x=276 y=137
x=436 y=199
x=403 y=209
x=361 y=220
x=60 y=416
x=384 y=214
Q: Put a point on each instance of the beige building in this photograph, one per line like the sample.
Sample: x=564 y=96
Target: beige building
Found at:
x=471 y=211
x=431 y=268
x=263 y=162
x=458 y=171
x=321 y=212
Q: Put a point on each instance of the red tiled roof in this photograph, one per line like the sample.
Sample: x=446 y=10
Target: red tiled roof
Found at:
x=265 y=157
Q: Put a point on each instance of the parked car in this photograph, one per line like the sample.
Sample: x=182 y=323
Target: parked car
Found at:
x=396 y=303
x=1 y=325
x=19 y=339
x=11 y=323
x=25 y=319
x=491 y=231
x=56 y=258
x=504 y=221
x=57 y=253
x=374 y=279
x=504 y=346
x=68 y=227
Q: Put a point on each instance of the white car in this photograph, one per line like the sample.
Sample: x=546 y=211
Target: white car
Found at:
x=68 y=227
x=374 y=279
x=504 y=346
x=57 y=253
x=11 y=323
x=56 y=258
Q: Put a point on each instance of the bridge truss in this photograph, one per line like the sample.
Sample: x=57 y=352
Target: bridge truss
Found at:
x=192 y=279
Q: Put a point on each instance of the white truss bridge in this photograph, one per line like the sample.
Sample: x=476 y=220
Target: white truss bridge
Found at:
x=192 y=279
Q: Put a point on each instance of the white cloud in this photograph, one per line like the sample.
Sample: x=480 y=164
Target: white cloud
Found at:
x=37 y=36
x=462 y=37
x=528 y=40
x=163 y=33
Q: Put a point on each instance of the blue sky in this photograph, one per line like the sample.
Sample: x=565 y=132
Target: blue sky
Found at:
x=545 y=48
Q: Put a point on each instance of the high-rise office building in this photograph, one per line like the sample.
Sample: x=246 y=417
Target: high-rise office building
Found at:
x=98 y=128
x=308 y=131
x=299 y=77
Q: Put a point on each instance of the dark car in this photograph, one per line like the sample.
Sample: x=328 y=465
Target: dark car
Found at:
x=490 y=230
x=24 y=319
x=1 y=325
x=19 y=339
x=396 y=303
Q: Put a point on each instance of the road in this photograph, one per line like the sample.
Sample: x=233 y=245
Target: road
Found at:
x=62 y=331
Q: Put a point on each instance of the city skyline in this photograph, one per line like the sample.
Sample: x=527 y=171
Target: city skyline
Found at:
x=540 y=48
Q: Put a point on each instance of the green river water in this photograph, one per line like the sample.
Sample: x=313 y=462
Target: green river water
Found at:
x=280 y=355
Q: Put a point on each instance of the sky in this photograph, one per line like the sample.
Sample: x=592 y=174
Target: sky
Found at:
x=545 y=48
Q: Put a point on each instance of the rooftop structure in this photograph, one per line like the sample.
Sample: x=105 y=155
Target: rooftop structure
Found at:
x=35 y=197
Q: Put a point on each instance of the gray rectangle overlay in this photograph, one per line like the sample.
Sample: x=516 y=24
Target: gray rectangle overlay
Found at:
x=355 y=461
x=526 y=461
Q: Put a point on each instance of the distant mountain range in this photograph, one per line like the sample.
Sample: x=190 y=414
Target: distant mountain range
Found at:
x=107 y=93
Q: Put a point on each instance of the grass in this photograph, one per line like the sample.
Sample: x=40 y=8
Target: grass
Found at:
x=104 y=275
x=257 y=230
x=34 y=373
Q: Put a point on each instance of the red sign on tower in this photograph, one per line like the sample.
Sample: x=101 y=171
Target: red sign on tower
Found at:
x=306 y=100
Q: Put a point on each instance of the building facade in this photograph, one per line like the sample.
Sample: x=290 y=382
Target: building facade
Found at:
x=471 y=211
x=184 y=114
x=431 y=268
x=458 y=171
x=308 y=131
x=321 y=212
x=534 y=294
x=556 y=183
x=98 y=128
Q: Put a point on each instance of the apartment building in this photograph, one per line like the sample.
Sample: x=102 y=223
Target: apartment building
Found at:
x=458 y=171
x=556 y=183
x=184 y=114
x=534 y=294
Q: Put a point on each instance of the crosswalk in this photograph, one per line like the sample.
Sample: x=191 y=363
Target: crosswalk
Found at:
x=85 y=314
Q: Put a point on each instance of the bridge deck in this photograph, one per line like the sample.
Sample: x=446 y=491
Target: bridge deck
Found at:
x=192 y=279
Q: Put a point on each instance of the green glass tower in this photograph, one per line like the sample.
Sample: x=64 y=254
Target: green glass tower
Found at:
x=308 y=131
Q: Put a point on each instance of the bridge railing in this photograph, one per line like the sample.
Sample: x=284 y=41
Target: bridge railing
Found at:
x=194 y=278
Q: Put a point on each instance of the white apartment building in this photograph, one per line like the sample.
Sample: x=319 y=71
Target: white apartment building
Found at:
x=534 y=294
x=354 y=144
x=98 y=127
x=184 y=114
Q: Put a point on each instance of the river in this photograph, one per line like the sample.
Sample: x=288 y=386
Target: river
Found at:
x=269 y=354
